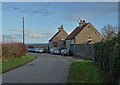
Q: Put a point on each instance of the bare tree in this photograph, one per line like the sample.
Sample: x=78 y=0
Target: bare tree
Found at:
x=109 y=31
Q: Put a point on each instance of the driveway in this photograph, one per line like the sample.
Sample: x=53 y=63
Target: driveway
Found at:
x=45 y=69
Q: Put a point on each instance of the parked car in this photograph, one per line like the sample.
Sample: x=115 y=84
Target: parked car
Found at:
x=64 y=52
x=31 y=50
x=51 y=51
x=37 y=50
x=54 y=51
x=41 y=50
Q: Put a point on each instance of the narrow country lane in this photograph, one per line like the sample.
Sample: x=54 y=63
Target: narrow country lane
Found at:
x=45 y=69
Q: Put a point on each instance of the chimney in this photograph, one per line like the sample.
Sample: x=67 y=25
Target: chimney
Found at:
x=60 y=28
x=82 y=22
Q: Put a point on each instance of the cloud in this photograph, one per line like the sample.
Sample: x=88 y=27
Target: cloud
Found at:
x=14 y=30
x=30 y=36
x=90 y=11
x=34 y=35
x=43 y=12
x=77 y=16
x=71 y=11
x=39 y=8
x=30 y=33
x=38 y=34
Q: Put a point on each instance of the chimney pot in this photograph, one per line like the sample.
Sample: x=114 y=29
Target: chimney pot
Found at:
x=82 y=22
x=60 y=28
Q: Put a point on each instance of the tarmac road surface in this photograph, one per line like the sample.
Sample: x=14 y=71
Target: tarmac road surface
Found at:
x=45 y=68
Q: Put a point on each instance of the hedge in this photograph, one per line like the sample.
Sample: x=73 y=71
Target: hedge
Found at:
x=11 y=50
x=107 y=56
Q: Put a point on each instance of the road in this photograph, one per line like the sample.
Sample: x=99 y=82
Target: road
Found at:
x=45 y=68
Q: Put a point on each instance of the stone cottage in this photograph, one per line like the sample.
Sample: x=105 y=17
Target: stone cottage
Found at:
x=57 y=41
x=85 y=33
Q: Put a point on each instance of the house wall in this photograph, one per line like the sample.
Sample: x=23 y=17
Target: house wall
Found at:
x=61 y=36
x=69 y=42
x=88 y=31
x=61 y=44
x=50 y=45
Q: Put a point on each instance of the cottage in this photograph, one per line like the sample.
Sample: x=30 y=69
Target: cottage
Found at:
x=58 y=39
x=85 y=33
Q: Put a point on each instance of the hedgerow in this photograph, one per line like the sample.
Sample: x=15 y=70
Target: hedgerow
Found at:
x=11 y=50
x=107 y=56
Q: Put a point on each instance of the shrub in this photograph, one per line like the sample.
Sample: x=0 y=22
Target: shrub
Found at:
x=11 y=50
x=107 y=56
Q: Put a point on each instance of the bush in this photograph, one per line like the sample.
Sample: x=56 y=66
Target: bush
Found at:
x=107 y=56
x=11 y=50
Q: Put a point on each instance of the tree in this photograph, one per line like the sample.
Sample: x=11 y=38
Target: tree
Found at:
x=109 y=31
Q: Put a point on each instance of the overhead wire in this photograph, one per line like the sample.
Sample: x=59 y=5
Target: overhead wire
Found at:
x=23 y=11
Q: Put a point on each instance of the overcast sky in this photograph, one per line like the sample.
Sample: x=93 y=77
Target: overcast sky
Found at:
x=43 y=19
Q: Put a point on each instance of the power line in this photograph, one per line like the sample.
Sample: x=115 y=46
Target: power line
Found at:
x=32 y=14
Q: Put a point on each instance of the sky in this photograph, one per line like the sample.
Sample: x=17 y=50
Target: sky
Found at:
x=60 y=0
x=42 y=19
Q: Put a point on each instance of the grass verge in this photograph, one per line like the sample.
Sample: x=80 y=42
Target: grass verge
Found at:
x=85 y=72
x=16 y=62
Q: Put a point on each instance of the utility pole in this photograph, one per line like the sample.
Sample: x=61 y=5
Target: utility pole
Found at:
x=23 y=31
x=14 y=38
x=3 y=38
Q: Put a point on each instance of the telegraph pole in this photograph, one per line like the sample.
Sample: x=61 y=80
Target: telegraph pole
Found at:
x=23 y=31
x=3 y=38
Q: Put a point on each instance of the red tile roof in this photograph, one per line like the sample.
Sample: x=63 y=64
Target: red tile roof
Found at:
x=76 y=32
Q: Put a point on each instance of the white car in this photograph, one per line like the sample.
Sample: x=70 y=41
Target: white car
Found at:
x=37 y=50
x=31 y=49
x=54 y=51
x=64 y=51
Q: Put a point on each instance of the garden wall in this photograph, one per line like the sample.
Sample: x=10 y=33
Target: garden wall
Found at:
x=82 y=50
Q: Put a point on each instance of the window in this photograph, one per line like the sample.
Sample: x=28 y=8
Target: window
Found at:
x=89 y=39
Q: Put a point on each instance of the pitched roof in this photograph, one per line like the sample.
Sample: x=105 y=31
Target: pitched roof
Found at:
x=76 y=32
x=55 y=35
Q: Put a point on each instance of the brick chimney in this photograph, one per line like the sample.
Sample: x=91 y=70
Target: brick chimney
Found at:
x=60 y=28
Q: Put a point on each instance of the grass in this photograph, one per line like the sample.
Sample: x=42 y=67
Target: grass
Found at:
x=85 y=72
x=16 y=62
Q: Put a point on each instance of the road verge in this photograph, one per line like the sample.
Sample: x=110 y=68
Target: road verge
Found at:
x=85 y=71
x=17 y=62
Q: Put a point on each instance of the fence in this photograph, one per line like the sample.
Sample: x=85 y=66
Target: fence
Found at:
x=11 y=38
x=82 y=50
